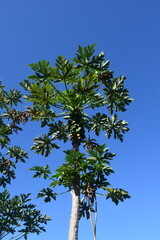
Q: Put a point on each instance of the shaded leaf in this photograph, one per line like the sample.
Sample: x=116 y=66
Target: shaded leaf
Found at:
x=44 y=145
x=48 y=194
x=117 y=195
x=41 y=171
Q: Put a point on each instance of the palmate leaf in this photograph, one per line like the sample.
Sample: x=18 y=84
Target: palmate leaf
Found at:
x=43 y=71
x=98 y=63
x=113 y=126
x=97 y=167
x=116 y=195
x=17 y=153
x=84 y=55
x=101 y=154
x=86 y=60
x=70 y=100
x=8 y=99
x=47 y=193
x=58 y=130
x=116 y=127
x=117 y=95
x=97 y=122
x=87 y=85
x=13 y=97
x=85 y=210
x=42 y=94
x=44 y=145
x=41 y=171
x=65 y=71
x=74 y=165
x=96 y=100
x=26 y=85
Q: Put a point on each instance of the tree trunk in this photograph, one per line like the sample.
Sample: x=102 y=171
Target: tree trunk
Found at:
x=74 y=219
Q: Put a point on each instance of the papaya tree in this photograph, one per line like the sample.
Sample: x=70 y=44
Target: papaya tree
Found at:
x=18 y=216
x=76 y=101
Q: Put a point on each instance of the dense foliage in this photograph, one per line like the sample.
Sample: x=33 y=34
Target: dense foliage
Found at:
x=17 y=216
x=75 y=101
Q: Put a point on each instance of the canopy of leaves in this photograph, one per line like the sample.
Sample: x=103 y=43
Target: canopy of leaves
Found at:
x=71 y=90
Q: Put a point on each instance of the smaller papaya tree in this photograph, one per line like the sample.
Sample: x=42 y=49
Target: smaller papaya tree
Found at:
x=76 y=101
x=18 y=216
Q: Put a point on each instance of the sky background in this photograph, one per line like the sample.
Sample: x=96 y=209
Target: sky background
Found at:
x=129 y=34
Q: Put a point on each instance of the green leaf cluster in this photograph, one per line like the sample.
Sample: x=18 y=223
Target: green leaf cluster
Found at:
x=17 y=212
x=8 y=163
x=9 y=124
x=9 y=99
x=64 y=97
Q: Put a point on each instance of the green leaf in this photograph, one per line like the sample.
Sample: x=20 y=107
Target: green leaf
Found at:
x=85 y=210
x=48 y=194
x=58 y=131
x=17 y=153
x=43 y=71
x=41 y=171
x=97 y=122
x=42 y=94
x=116 y=127
x=84 y=55
x=43 y=145
x=117 y=195
x=26 y=85
x=117 y=95
x=13 y=97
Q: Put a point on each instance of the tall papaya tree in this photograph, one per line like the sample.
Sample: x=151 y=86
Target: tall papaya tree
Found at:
x=75 y=101
x=18 y=216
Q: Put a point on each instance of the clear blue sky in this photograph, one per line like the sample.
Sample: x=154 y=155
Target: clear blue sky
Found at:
x=129 y=34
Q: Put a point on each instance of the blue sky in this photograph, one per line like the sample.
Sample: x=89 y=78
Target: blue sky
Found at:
x=129 y=34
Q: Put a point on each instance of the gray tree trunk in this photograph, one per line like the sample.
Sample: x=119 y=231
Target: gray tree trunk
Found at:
x=74 y=219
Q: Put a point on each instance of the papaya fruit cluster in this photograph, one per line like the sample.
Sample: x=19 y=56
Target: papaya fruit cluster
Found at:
x=76 y=126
